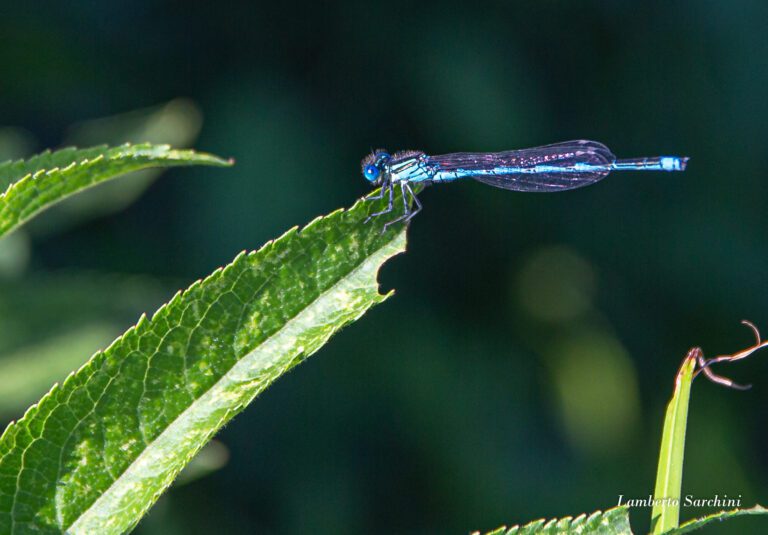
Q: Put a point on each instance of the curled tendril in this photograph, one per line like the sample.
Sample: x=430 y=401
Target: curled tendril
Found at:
x=704 y=363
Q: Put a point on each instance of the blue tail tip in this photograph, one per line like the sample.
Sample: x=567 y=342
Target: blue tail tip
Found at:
x=673 y=163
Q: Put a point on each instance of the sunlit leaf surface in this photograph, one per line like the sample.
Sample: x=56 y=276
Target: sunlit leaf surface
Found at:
x=693 y=525
x=669 y=474
x=611 y=522
x=29 y=186
x=95 y=452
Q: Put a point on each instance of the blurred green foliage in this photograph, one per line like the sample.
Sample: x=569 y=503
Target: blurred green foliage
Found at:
x=448 y=408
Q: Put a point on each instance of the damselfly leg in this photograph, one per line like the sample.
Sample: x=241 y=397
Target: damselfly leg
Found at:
x=415 y=201
x=390 y=203
x=407 y=214
x=382 y=191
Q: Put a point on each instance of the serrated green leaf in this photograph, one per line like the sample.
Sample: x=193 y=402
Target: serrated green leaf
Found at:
x=96 y=452
x=176 y=123
x=43 y=336
x=28 y=373
x=611 y=522
x=669 y=473
x=30 y=186
x=697 y=523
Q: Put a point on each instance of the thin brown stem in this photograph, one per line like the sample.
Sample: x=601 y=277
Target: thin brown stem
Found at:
x=704 y=364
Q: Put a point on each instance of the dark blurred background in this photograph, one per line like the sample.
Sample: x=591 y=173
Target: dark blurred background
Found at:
x=522 y=369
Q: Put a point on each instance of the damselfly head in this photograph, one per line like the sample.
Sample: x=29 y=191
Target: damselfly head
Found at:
x=373 y=166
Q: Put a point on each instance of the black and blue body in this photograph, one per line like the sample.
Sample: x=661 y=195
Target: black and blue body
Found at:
x=557 y=167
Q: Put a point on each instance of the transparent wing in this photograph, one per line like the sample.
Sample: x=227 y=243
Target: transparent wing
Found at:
x=561 y=166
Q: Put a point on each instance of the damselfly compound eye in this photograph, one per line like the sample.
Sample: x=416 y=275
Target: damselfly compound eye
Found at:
x=371 y=173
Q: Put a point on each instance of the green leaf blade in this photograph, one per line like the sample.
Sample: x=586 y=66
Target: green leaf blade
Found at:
x=614 y=521
x=96 y=451
x=698 y=523
x=665 y=514
x=30 y=186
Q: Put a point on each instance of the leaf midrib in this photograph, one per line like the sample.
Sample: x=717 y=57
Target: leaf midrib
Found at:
x=224 y=376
